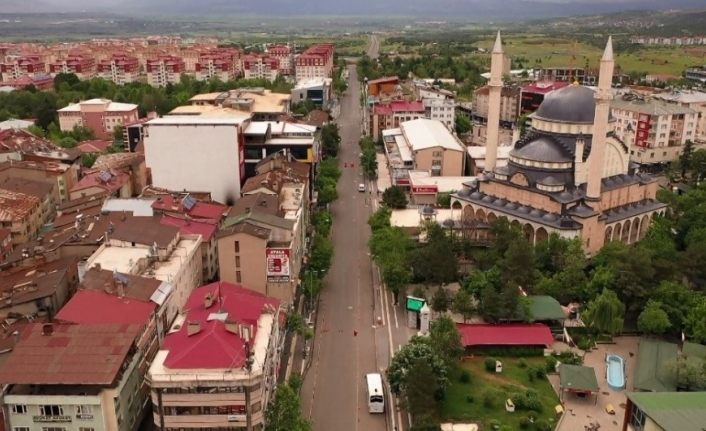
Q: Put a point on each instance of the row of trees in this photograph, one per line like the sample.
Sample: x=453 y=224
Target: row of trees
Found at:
x=368 y=157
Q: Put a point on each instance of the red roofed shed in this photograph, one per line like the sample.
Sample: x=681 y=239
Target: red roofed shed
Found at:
x=531 y=334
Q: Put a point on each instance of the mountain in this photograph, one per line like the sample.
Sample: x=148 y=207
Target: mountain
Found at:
x=468 y=9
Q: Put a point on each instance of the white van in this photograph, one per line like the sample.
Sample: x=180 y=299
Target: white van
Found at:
x=376 y=393
x=361 y=188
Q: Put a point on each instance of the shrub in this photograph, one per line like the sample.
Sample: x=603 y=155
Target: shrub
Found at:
x=586 y=343
x=489 y=399
x=551 y=364
x=465 y=377
x=525 y=422
x=531 y=372
x=540 y=373
x=489 y=365
x=494 y=424
x=470 y=399
x=569 y=357
x=542 y=425
x=506 y=428
x=522 y=363
x=528 y=400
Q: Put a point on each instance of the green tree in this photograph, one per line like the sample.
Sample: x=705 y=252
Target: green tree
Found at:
x=421 y=387
x=418 y=349
x=435 y=261
x=87 y=160
x=330 y=140
x=446 y=340
x=688 y=375
x=462 y=124
x=284 y=412
x=677 y=300
x=441 y=301
x=653 y=319
x=605 y=314
x=118 y=134
x=696 y=321
x=321 y=254
x=394 y=197
x=380 y=219
x=464 y=304
x=518 y=264
x=443 y=199
x=67 y=142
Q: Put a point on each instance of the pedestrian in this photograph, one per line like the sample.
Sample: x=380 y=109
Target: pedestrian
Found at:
x=355 y=333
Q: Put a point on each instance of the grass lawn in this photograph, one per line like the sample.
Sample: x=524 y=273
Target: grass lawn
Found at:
x=513 y=379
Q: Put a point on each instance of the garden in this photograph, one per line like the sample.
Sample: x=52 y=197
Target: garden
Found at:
x=476 y=393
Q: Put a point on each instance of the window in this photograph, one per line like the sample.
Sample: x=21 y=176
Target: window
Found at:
x=237 y=246
x=85 y=429
x=53 y=429
x=237 y=261
x=436 y=154
x=19 y=409
x=237 y=276
x=20 y=429
x=51 y=410
x=84 y=410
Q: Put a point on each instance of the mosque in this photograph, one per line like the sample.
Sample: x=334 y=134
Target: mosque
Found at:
x=569 y=174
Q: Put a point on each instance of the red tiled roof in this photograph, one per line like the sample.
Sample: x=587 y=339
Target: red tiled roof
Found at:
x=72 y=355
x=214 y=346
x=94 y=146
x=194 y=227
x=399 y=106
x=533 y=334
x=117 y=180
x=208 y=210
x=95 y=306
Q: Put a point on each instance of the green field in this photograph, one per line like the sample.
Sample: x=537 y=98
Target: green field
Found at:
x=456 y=406
x=557 y=51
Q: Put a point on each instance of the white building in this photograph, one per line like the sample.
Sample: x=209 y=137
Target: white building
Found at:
x=695 y=100
x=197 y=153
x=318 y=90
x=442 y=110
x=655 y=131
x=100 y=115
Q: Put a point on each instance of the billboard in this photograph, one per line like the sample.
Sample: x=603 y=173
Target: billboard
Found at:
x=278 y=265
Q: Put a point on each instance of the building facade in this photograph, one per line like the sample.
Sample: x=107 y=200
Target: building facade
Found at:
x=509 y=113
x=260 y=67
x=100 y=115
x=165 y=70
x=315 y=62
x=692 y=99
x=390 y=115
x=121 y=69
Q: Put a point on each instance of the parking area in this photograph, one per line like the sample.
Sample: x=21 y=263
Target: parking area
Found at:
x=580 y=413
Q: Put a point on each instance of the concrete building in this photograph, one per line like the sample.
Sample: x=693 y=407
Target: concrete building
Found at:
x=696 y=74
x=73 y=377
x=218 y=372
x=509 y=113
x=14 y=123
x=442 y=110
x=568 y=74
x=45 y=192
x=425 y=145
x=83 y=66
x=386 y=86
x=21 y=214
x=62 y=176
x=105 y=182
x=260 y=104
x=215 y=66
x=532 y=95
x=100 y=115
x=391 y=115
x=318 y=90
x=315 y=62
x=165 y=70
x=266 y=138
x=209 y=246
x=121 y=69
x=654 y=130
x=147 y=248
x=283 y=53
x=262 y=242
x=691 y=99
x=181 y=149
x=5 y=244
x=260 y=67
x=17 y=67
x=568 y=175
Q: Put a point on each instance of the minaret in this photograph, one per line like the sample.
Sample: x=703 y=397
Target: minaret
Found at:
x=603 y=96
x=497 y=61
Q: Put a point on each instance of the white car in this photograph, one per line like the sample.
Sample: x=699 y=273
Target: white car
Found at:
x=361 y=188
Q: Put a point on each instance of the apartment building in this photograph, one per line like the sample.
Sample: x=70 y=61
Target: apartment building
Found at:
x=317 y=90
x=425 y=145
x=383 y=87
x=258 y=103
x=692 y=99
x=390 y=115
x=5 y=244
x=180 y=148
x=218 y=373
x=121 y=69
x=260 y=67
x=147 y=248
x=655 y=131
x=63 y=176
x=315 y=62
x=16 y=67
x=74 y=377
x=283 y=53
x=262 y=241
x=442 y=110
x=216 y=66
x=532 y=95
x=45 y=192
x=165 y=70
x=697 y=73
x=509 y=113
x=21 y=214
x=100 y=115
x=83 y=66
x=103 y=183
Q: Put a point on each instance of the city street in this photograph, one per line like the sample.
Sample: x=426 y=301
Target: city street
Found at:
x=350 y=341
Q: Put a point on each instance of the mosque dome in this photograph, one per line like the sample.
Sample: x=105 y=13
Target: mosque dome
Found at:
x=571 y=104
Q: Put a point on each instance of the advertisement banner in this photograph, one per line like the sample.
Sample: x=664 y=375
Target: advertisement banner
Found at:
x=278 y=265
